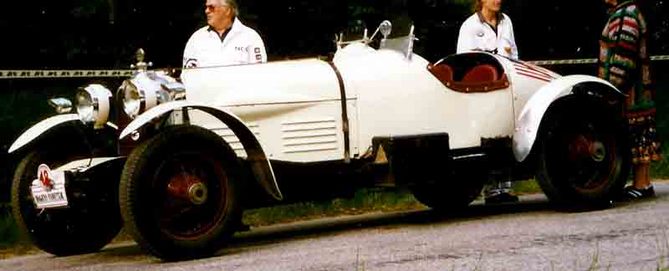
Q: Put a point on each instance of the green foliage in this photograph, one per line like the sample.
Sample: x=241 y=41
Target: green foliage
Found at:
x=660 y=170
x=359 y=8
x=464 y=4
x=526 y=187
x=9 y=233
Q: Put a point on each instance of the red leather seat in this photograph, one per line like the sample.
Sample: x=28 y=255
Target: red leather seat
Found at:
x=443 y=72
x=481 y=73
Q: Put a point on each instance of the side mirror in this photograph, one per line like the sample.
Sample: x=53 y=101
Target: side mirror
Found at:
x=385 y=28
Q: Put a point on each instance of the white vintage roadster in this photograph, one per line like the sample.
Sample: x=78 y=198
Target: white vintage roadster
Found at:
x=179 y=172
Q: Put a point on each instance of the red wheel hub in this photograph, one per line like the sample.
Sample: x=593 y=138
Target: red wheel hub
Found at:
x=583 y=147
x=189 y=188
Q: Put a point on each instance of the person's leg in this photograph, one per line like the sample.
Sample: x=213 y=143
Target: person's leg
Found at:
x=505 y=186
x=641 y=176
x=644 y=147
x=500 y=192
x=641 y=186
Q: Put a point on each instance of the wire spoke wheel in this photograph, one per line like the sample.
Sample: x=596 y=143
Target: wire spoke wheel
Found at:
x=178 y=193
x=190 y=188
x=583 y=155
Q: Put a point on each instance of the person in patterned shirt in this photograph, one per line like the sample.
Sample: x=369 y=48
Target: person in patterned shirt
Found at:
x=624 y=61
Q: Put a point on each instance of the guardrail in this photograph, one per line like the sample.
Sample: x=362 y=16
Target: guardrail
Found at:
x=584 y=61
x=36 y=74
x=33 y=74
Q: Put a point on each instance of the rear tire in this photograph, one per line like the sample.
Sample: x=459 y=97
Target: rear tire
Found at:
x=583 y=154
x=178 y=193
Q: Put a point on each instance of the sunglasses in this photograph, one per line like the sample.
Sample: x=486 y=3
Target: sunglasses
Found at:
x=213 y=7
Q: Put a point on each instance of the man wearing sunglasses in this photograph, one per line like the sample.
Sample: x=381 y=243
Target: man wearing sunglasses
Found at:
x=225 y=40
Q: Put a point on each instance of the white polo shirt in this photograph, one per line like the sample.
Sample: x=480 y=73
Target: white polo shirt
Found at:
x=241 y=45
x=476 y=34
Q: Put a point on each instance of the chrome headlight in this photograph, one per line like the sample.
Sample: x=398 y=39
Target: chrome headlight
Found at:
x=93 y=104
x=132 y=99
x=148 y=89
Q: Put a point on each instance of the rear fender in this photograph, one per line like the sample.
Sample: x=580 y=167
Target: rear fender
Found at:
x=529 y=120
x=260 y=165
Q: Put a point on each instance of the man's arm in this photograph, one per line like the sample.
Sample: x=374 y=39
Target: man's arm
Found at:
x=512 y=41
x=256 y=50
x=190 y=57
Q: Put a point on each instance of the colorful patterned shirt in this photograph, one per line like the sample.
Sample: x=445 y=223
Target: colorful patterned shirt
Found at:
x=623 y=58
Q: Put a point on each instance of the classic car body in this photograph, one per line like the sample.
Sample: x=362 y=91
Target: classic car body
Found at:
x=380 y=98
x=182 y=171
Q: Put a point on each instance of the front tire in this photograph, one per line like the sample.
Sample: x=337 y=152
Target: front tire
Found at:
x=178 y=193
x=583 y=155
x=73 y=230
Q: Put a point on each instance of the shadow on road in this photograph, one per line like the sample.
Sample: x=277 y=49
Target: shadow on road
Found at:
x=307 y=229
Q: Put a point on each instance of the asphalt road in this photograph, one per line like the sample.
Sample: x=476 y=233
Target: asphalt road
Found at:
x=529 y=235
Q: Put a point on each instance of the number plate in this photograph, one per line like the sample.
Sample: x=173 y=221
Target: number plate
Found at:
x=48 y=190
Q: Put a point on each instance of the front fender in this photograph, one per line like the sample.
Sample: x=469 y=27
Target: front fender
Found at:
x=529 y=120
x=40 y=128
x=260 y=165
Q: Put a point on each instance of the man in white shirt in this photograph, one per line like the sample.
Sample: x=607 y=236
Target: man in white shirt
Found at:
x=224 y=41
x=488 y=29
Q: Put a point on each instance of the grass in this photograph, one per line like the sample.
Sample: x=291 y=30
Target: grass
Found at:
x=11 y=241
x=660 y=169
x=526 y=187
x=364 y=201
x=9 y=234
